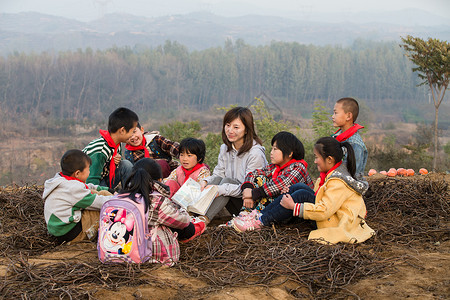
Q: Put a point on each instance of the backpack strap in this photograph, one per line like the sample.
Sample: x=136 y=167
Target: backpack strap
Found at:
x=158 y=206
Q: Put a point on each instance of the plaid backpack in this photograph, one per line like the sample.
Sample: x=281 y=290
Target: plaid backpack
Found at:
x=123 y=231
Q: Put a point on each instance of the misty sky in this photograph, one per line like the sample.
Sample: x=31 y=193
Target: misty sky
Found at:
x=87 y=10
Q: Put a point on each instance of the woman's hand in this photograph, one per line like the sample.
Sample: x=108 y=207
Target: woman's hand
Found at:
x=287 y=202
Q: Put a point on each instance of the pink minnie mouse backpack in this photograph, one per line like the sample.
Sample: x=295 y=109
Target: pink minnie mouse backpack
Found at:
x=123 y=231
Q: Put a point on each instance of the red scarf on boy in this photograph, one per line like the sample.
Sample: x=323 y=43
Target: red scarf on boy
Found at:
x=278 y=168
x=140 y=147
x=72 y=178
x=348 y=133
x=324 y=175
x=112 y=166
x=189 y=172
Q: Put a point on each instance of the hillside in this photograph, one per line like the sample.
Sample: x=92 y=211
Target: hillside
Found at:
x=39 y=32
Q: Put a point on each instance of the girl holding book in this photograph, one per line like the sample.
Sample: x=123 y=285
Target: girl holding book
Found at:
x=192 y=155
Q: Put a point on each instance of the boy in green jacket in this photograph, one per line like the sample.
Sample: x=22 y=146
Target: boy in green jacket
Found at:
x=108 y=168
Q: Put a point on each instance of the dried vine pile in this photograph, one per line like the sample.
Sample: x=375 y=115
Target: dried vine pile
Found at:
x=69 y=280
x=22 y=220
x=270 y=257
x=403 y=212
x=413 y=212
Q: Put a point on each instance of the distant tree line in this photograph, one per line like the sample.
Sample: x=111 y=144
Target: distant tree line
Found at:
x=87 y=84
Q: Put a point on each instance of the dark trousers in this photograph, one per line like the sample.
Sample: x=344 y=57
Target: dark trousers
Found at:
x=123 y=171
x=275 y=213
x=185 y=233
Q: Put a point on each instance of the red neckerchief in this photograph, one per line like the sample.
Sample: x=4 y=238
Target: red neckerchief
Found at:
x=278 y=168
x=189 y=172
x=72 y=178
x=348 y=133
x=140 y=147
x=324 y=175
x=112 y=166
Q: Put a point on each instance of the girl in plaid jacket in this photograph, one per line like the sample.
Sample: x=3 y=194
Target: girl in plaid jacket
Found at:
x=287 y=167
x=168 y=223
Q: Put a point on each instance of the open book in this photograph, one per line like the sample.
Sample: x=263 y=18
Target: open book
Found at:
x=190 y=196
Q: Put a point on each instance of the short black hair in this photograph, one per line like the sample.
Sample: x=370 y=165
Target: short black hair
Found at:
x=194 y=146
x=287 y=143
x=350 y=105
x=74 y=160
x=122 y=117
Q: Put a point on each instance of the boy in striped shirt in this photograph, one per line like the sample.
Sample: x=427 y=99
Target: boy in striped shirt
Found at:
x=108 y=168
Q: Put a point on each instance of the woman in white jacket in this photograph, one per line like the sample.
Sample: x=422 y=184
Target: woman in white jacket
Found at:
x=242 y=152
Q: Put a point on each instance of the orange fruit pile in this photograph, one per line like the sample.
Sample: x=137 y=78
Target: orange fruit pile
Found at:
x=398 y=172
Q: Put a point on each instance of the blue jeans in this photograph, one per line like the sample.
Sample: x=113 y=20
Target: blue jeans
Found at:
x=275 y=213
x=123 y=171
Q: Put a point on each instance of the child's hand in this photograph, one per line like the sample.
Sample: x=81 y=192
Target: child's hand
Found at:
x=248 y=203
x=287 y=202
x=285 y=190
x=117 y=158
x=247 y=194
x=203 y=184
x=104 y=193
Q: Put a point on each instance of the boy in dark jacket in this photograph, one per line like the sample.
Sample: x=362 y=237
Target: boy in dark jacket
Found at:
x=155 y=146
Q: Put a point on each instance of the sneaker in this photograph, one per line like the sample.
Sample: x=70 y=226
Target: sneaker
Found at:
x=227 y=224
x=254 y=214
x=197 y=219
x=244 y=213
x=199 y=229
x=247 y=224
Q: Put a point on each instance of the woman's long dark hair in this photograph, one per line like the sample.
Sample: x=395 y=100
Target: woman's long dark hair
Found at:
x=245 y=115
x=142 y=179
x=328 y=146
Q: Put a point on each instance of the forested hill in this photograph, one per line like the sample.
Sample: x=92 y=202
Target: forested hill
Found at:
x=88 y=85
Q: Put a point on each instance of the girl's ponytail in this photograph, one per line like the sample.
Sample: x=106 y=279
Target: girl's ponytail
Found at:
x=141 y=180
x=328 y=146
x=351 y=161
